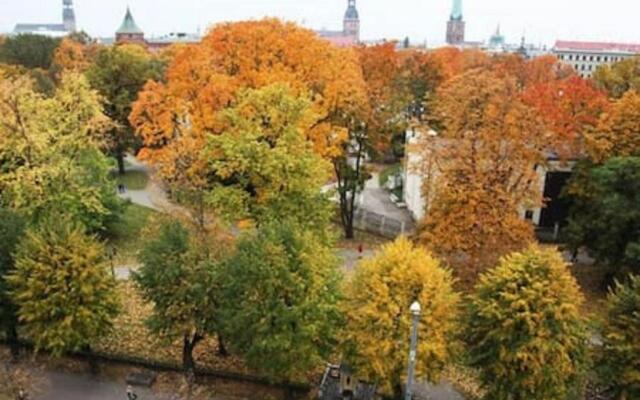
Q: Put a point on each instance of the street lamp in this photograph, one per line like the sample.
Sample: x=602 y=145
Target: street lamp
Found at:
x=415 y=313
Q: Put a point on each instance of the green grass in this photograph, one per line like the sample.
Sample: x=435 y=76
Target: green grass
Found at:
x=388 y=172
x=132 y=180
x=126 y=233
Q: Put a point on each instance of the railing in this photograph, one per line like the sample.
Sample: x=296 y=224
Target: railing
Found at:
x=379 y=224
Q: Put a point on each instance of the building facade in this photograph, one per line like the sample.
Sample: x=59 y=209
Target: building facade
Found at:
x=350 y=33
x=456 y=25
x=67 y=26
x=586 y=57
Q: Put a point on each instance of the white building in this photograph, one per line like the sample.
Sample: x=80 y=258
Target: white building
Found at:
x=67 y=26
x=421 y=174
x=586 y=57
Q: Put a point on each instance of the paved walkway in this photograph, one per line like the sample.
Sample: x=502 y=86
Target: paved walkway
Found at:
x=154 y=196
x=80 y=386
x=376 y=199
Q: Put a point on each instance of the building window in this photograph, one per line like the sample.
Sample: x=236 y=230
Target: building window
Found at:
x=528 y=215
x=598 y=59
x=570 y=57
x=590 y=58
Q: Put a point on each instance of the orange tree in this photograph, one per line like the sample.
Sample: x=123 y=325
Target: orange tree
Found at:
x=485 y=157
x=616 y=134
x=175 y=117
x=569 y=107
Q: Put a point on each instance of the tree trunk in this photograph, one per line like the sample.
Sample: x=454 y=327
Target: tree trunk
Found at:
x=94 y=367
x=348 y=230
x=398 y=393
x=189 y=343
x=12 y=338
x=222 y=349
x=120 y=160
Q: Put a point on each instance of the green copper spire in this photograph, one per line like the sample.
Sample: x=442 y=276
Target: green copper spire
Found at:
x=456 y=12
x=129 y=25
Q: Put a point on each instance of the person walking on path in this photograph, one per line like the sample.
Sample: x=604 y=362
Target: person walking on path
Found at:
x=131 y=395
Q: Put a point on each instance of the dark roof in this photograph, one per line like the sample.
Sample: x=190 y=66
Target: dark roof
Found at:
x=129 y=24
x=352 y=11
x=28 y=28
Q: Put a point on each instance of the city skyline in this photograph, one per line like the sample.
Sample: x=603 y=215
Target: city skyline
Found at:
x=541 y=22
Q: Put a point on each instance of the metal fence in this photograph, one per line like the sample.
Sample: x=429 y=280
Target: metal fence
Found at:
x=380 y=225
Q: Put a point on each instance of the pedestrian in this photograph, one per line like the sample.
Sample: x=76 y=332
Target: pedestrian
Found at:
x=360 y=250
x=131 y=395
x=22 y=394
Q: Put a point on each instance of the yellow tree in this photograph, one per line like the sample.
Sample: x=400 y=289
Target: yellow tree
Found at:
x=50 y=151
x=617 y=134
x=377 y=305
x=485 y=158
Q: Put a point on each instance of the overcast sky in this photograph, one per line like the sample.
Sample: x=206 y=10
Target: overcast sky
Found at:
x=542 y=21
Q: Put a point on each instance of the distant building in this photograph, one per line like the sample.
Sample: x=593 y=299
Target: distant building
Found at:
x=130 y=32
x=586 y=57
x=497 y=40
x=456 y=25
x=67 y=26
x=350 y=33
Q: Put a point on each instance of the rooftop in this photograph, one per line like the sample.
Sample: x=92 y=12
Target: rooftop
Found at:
x=29 y=28
x=597 y=46
x=129 y=24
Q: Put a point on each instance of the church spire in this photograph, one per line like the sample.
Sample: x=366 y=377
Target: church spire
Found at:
x=456 y=11
x=68 y=16
x=351 y=23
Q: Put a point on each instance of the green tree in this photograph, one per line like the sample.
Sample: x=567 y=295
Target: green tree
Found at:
x=178 y=277
x=617 y=79
x=263 y=164
x=119 y=73
x=605 y=212
x=50 y=152
x=379 y=323
x=62 y=287
x=622 y=339
x=524 y=328
x=30 y=51
x=11 y=231
x=280 y=303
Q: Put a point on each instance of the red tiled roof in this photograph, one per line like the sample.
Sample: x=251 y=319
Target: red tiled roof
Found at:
x=597 y=46
x=338 y=38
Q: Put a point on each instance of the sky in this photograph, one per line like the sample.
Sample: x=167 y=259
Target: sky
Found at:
x=541 y=21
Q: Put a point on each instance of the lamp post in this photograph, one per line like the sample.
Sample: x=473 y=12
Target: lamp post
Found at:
x=415 y=313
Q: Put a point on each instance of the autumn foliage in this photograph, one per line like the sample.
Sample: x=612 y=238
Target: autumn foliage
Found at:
x=524 y=329
x=377 y=304
x=485 y=157
x=174 y=118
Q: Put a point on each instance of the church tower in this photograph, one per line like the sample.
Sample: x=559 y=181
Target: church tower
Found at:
x=352 y=21
x=68 y=16
x=129 y=31
x=456 y=25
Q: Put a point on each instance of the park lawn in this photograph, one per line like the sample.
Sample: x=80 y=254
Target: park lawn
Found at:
x=132 y=180
x=388 y=172
x=126 y=234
